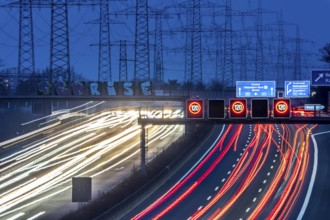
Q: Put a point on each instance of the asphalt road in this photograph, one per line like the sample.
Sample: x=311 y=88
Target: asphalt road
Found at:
x=252 y=171
x=36 y=170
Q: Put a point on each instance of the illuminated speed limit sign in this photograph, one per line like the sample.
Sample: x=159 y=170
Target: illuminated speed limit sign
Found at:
x=237 y=108
x=282 y=108
x=195 y=109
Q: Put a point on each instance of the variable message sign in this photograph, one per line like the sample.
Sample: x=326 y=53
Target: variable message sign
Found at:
x=194 y=109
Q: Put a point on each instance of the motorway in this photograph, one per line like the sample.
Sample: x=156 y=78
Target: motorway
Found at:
x=249 y=172
x=36 y=168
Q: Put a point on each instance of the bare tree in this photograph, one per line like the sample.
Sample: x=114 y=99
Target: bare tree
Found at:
x=325 y=50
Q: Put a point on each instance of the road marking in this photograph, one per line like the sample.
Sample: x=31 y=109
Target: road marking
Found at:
x=268 y=173
x=277 y=151
x=260 y=190
x=275 y=155
x=243 y=148
x=199 y=208
x=247 y=210
x=274 y=161
x=264 y=181
x=325 y=132
x=204 y=155
x=234 y=165
x=223 y=180
x=271 y=167
x=311 y=183
x=208 y=198
x=189 y=218
x=237 y=159
x=255 y=199
x=240 y=154
x=216 y=188
x=229 y=172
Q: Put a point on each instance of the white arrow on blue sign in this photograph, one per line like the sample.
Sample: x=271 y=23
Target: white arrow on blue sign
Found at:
x=320 y=77
x=297 y=89
x=252 y=89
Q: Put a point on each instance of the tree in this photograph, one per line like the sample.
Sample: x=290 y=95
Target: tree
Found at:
x=325 y=50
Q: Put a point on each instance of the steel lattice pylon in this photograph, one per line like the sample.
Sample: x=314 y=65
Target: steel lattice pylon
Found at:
x=188 y=49
x=297 y=61
x=228 y=71
x=142 y=59
x=59 y=42
x=259 y=50
x=104 y=67
x=123 y=62
x=158 y=59
x=197 y=44
x=26 y=62
x=280 y=54
x=193 y=62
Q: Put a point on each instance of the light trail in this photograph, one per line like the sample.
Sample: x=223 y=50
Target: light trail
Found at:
x=281 y=192
x=44 y=169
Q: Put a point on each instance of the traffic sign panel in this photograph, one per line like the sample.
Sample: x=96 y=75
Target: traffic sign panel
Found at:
x=297 y=89
x=259 y=108
x=282 y=108
x=216 y=109
x=321 y=77
x=237 y=108
x=194 y=109
x=250 y=89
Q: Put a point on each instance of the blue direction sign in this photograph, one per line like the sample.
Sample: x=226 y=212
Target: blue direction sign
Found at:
x=321 y=77
x=252 y=89
x=297 y=89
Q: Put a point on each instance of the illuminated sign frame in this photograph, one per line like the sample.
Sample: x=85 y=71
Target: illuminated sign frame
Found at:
x=192 y=113
x=277 y=113
x=267 y=108
x=233 y=113
x=224 y=112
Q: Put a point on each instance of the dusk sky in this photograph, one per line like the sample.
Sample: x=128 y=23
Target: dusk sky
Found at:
x=312 y=17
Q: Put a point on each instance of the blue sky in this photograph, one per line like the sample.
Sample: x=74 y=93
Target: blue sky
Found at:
x=312 y=17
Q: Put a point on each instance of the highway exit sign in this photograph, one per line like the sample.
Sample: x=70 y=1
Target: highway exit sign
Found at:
x=320 y=77
x=254 y=89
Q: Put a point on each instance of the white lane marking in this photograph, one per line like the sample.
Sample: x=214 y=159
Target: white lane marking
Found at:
x=216 y=188
x=189 y=218
x=208 y=198
x=275 y=155
x=237 y=159
x=277 y=150
x=325 y=132
x=229 y=172
x=311 y=183
x=223 y=180
x=274 y=161
x=204 y=155
x=234 y=165
x=240 y=154
x=264 y=182
x=243 y=148
x=260 y=190
x=255 y=199
x=268 y=173
x=36 y=216
x=247 y=210
x=271 y=167
x=199 y=208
